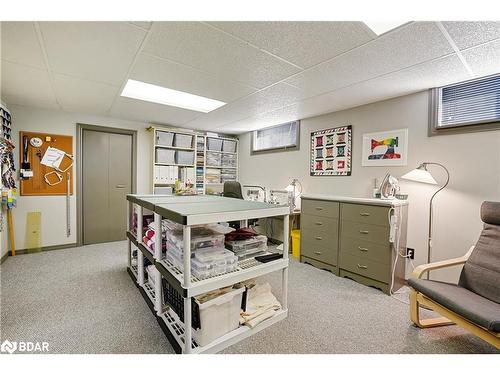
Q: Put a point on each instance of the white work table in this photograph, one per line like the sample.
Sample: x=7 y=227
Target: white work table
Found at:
x=190 y=211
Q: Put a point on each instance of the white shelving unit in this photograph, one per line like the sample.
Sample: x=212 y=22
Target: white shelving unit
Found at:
x=199 y=210
x=200 y=182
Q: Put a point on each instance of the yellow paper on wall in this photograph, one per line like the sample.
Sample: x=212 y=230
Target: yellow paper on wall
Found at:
x=33 y=232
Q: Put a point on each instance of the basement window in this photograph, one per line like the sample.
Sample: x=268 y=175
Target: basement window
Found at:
x=275 y=138
x=466 y=107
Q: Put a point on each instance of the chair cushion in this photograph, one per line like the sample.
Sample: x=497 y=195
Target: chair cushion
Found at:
x=490 y=213
x=471 y=306
x=481 y=272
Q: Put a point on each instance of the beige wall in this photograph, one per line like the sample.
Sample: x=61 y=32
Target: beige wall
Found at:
x=53 y=209
x=473 y=161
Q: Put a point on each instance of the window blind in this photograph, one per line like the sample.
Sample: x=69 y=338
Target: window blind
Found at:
x=282 y=136
x=469 y=103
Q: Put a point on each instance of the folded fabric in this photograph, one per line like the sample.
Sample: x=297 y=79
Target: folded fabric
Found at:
x=241 y=234
x=261 y=305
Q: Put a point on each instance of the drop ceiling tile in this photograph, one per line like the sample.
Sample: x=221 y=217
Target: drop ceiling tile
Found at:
x=139 y=110
x=201 y=46
x=277 y=96
x=154 y=70
x=302 y=43
x=402 y=48
x=19 y=44
x=27 y=85
x=417 y=78
x=82 y=96
x=217 y=118
x=485 y=59
x=470 y=34
x=97 y=51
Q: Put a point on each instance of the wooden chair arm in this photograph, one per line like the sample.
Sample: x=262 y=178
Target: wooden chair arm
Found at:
x=423 y=268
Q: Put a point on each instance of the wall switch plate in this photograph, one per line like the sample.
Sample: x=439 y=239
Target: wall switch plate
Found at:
x=410 y=253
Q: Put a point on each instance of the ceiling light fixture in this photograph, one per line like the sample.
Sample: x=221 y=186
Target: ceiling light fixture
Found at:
x=162 y=95
x=381 y=27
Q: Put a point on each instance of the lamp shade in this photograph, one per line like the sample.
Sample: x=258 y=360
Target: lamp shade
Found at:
x=420 y=174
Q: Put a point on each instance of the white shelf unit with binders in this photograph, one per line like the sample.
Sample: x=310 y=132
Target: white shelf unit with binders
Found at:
x=167 y=166
x=199 y=210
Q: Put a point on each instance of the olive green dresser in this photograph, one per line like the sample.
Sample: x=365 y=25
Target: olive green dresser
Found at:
x=351 y=238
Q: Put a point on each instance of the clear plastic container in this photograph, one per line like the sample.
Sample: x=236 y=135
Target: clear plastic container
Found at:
x=228 y=146
x=183 y=140
x=165 y=156
x=221 y=257
x=164 y=138
x=200 y=238
x=229 y=160
x=248 y=244
x=213 y=159
x=184 y=157
x=214 y=144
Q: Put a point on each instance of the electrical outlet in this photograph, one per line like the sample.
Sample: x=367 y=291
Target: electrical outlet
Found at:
x=410 y=253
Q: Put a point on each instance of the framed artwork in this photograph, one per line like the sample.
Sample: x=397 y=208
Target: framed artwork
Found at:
x=388 y=148
x=331 y=151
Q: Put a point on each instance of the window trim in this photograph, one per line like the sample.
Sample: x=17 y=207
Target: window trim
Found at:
x=296 y=147
x=465 y=127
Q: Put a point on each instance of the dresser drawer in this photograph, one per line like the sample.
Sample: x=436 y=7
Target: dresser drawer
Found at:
x=366 y=249
x=318 y=252
x=326 y=238
x=367 y=232
x=320 y=208
x=365 y=267
x=365 y=214
x=318 y=222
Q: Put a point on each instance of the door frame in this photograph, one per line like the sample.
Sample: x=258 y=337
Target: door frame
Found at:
x=79 y=182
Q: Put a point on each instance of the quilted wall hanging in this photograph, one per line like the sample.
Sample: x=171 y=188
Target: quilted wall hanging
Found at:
x=331 y=151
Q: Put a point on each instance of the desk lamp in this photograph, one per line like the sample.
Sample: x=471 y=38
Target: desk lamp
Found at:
x=421 y=174
x=292 y=188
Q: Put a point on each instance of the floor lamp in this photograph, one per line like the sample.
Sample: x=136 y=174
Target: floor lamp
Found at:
x=421 y=174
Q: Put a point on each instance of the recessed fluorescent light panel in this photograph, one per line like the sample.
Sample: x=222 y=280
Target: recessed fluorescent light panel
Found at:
x=161 y=95
x=381 y=27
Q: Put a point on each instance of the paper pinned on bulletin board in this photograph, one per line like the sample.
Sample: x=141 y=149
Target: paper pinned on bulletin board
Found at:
x=52 y=157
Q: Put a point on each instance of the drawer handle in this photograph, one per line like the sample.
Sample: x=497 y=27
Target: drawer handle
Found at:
x=362 y=248
x=364 y=213
x=362 y=267
x=317 y=252
x=363 y=232
x=319 y=223
x=319 y=208
x=319 y=238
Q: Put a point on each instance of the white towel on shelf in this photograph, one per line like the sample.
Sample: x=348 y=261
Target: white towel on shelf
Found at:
x=261 y=305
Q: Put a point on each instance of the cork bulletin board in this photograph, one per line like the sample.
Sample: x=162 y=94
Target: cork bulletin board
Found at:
x=37 y=185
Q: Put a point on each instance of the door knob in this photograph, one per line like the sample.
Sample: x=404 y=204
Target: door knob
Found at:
x=363 y=231
x=362 y=248
x=364 y=213
x=317 y=252
x=120 y=186
x=319 y=238
x=362 y=267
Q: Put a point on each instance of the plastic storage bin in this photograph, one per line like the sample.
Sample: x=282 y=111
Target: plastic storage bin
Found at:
x=229 y=160
x=185 y=157
x=173 y=299
x=213 y=159
x=164 y=138
x=183 y=140
x=150 y=272
x=214 y=144
x=218 y=316
x=200 y=238
x=250 y=243
x=165 y=156
x=228 y=146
